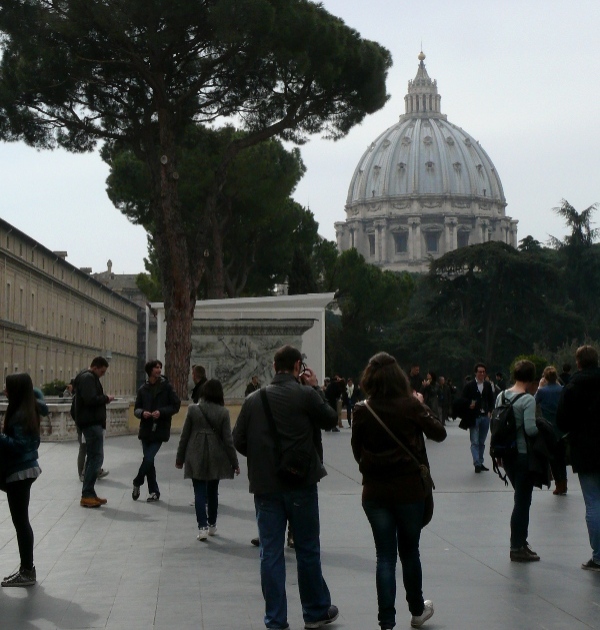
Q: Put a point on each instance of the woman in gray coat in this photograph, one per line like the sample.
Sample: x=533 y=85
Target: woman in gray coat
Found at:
x=207 y=452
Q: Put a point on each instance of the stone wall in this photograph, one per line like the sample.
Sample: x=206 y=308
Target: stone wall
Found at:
x=58 y=426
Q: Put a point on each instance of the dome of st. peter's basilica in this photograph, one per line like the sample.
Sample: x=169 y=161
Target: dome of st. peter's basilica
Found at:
x=424 y=187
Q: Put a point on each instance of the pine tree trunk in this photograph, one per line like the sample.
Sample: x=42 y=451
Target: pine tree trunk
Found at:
x=179 y=276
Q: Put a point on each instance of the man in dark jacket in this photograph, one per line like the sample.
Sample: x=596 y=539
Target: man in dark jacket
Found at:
x=578 y=414
x=252 y=386
x=155 y=405
x=415 y=379
x=199 y=378
x=298 y=408
x=480 y=402
x=90 y=417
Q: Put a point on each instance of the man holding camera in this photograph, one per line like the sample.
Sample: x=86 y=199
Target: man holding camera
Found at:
x=277 y=431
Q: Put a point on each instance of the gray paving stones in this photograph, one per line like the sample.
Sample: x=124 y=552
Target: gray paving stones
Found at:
x=133 y=565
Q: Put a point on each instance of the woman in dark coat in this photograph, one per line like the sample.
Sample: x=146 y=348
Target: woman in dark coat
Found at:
x=393 y=495
x=19 y=444
x=207 y=452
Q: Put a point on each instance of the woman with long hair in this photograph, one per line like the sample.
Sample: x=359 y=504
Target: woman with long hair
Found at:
x=394 y=494
x=19 y=442
x=207 y=452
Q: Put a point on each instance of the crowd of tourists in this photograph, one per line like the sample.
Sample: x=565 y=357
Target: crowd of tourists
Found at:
x=278 y=431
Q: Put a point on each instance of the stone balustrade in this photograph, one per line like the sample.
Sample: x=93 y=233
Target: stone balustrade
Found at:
x=58 y=426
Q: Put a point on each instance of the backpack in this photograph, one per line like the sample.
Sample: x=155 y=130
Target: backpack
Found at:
x=503 y=433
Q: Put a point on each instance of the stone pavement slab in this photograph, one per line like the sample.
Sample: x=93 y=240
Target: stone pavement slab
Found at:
x=133 y=565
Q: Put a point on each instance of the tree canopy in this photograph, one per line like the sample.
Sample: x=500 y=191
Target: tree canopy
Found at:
x=140 y=72
x=255 y=225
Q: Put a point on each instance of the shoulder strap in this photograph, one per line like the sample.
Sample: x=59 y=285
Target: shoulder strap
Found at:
x=390 y=433
x=271 y=420
x=514 y=400
x=208 y=422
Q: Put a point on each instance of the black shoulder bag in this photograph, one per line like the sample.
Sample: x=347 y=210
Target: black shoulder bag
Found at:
x=293 y=465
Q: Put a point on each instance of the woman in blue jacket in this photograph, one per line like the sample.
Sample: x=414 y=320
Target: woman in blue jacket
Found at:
x=19 y=442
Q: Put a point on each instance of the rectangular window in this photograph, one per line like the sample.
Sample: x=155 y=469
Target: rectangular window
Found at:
x=431 y=241
x=462 y=239
x=8 y=301
x=401 y=242
x=371 y=244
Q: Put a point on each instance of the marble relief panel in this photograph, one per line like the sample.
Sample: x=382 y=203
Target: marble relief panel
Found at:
x=234 y=351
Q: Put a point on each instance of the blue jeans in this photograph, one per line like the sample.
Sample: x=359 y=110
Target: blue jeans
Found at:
x=301 y=508
x=590 y=487
x=478 y=434
x=94 y=448
x=397 y=531
x=206 y=492
x=147 y=470
x=517 y=470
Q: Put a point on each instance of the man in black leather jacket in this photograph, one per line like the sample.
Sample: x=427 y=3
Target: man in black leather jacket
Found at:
x=90 y=416
x=298 y=408
x=156 y=403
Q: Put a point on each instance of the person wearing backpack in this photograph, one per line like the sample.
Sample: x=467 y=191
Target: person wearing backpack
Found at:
x=517 y=465
x=579 y=413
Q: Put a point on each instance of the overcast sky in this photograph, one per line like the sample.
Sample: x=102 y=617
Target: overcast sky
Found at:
x=521 y=76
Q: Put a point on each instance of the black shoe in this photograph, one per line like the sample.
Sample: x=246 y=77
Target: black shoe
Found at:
x=335 y=430
x=22 y=577
x=255 y=542
x=524 y=554
x=290 y=542
x=153 y=498
x=478 y=469
x=590 y=565
x=484 y=469
x=330 y=616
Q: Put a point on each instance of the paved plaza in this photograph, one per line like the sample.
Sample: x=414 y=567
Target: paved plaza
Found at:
x=133 y=565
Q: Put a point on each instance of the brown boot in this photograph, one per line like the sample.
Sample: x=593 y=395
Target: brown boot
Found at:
x=89 y=502
x=561 y=488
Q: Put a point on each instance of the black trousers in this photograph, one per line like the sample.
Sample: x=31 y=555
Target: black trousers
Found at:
x=17 y=494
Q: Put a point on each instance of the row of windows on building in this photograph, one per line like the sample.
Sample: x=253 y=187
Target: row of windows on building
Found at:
x=46 y=321
x=73 y=277
x=432 y=241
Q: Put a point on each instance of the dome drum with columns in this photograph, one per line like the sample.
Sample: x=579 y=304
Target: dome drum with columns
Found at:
x=423 y=188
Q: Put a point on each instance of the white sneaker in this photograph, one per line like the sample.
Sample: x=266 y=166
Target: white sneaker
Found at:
x=202 y=533
x=417 y=622
x=212 y=529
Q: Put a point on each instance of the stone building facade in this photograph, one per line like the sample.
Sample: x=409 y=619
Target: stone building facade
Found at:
x=54 y=317
x=424 y=187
